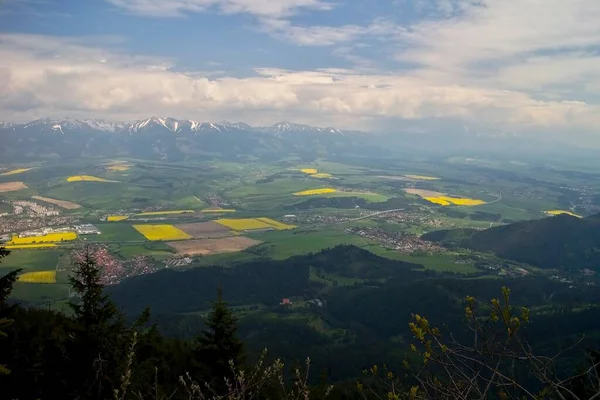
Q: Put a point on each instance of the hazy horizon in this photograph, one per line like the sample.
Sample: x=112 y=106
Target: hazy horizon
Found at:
x=524 y=66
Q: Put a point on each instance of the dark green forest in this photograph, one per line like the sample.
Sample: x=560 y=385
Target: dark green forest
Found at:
x=109 y=346
x=560 y=242
x=370 y=339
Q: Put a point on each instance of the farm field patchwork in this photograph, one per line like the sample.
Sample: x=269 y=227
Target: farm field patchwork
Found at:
x=48 y=238
x=29 y=246
x=369 y=196
x=161 y=232
x=422 y=177
x=165 y=212
x=116 y=218
x=249 y=191
x=313 y=192
x=290 y=243
x=112 y=232
x=559 y=212
x=321 y=175
x=87 y=178
x=12 y=186
x=443 y=199
x=248 y=224
x=15 y=171
x=205 y=230
x=213 y=246
x=118 y=167
x=38 y=277
x=157 y=250
x=31 y=260
x=423 y=192
x=61 y=203
x=457 y=201
x=314 y=173
x=276 y=224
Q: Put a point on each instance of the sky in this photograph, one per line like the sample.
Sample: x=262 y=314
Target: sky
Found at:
x=380 y=65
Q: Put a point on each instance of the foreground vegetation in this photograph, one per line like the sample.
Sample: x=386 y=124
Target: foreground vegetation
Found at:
x=93 y=353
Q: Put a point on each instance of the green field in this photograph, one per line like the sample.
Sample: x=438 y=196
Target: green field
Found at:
x=117 y=232
x=40 y=294
x=514 y=191
x=290 y=243
x=31 y=260
x=156 y=250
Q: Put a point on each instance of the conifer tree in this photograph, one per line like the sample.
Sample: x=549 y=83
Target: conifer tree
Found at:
x=218 y=345
x=6 y=284
x=100 y=340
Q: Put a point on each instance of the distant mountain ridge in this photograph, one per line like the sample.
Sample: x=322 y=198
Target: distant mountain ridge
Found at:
x=560 y=242
x=174 y=140
x=168 y=123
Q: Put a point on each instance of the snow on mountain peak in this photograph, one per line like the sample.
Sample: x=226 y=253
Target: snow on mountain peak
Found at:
x=171 y=124
x=157 y=124
x=106 y=126
x=235 y=125
x=57 y=127
x=288 y=127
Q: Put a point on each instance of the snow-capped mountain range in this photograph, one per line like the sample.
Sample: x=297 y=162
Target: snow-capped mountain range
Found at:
x=172 y=139
x=167 y=124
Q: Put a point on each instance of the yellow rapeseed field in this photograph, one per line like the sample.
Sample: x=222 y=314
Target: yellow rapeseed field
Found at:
x=38 y=277
x=15 y=171
x=309 y=171
x=161 y=232
x=86 y=178
x=118 y=167
x=223 y=210
x=558 y=212
x=244 y=224
x=438 y=200
x=313 y=192
x=422 y=177
x=30 y=246
x=165 y=212
x=321 y=175
x=115 y=218
x=280 y=226
x=50 y=237
x=457 y=201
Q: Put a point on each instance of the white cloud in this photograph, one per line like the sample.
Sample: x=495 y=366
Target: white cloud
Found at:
x=313 y=35
x=49 y=76
x=328 y=35
x=490 y=36
x=260 y=8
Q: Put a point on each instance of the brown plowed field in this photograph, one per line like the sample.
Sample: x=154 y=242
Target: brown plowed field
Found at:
x=424 y=193
x=205 y=230
x=213 y=246
x=12 y=186
x=61 y=203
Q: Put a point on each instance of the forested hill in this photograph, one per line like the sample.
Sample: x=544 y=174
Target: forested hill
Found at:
x=263 y=281
x=562 y=242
